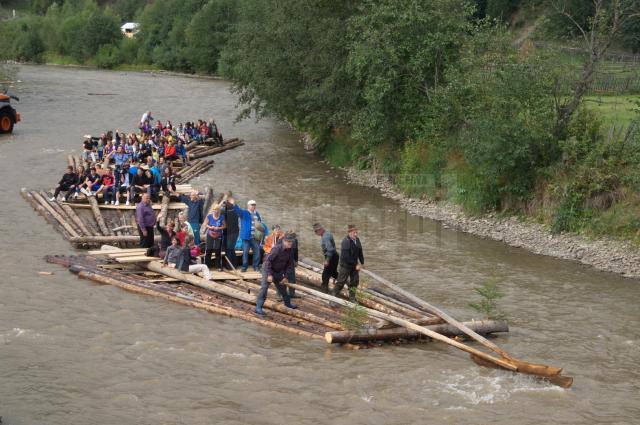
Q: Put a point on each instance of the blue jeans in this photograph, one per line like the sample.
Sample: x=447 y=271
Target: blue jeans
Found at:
x=196 y=233
x=255 y=247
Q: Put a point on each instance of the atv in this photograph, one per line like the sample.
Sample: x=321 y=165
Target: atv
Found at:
x=8 y=116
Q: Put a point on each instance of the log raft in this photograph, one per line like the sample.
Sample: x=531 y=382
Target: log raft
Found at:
x=388 y=317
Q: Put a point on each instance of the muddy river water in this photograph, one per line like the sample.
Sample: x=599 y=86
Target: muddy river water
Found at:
x=74 y=352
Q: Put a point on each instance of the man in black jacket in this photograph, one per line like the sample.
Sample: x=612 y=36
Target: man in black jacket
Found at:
x=231 y=233
x=350 y=255
x=67 y=183
x=277 y=268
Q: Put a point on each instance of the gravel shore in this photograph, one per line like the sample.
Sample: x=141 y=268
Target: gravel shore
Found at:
x=603 y=254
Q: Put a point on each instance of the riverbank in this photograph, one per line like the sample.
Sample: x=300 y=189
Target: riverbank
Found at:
x=605 y=255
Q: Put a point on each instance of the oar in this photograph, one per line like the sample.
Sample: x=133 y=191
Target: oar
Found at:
x=407 y=324
x=526 y=367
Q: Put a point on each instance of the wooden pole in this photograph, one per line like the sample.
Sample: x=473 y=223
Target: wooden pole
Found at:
x=55 y=214
x=216 y=150
x=164 y=210
x=98 y=216
x=28 y=196
x=106 y=239
x=157 y=267
x=74 y=217
x=522 y=366
x=192 y=302
x=58 y=208
x=409 y=325
x=366 y=335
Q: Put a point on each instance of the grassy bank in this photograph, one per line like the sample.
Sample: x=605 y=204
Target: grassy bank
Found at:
x=593 y=193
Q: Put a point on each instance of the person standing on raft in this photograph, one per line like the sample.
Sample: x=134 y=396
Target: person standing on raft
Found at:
x=331 y=257
x=195 y=203
x=146 y=219
x=277 y=266
x=350 y=255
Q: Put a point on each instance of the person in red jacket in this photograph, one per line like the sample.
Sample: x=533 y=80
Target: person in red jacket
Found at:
x=170 y=153
x=108 y=187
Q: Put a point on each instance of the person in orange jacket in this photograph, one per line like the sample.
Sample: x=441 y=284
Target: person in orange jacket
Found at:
x=276 y=235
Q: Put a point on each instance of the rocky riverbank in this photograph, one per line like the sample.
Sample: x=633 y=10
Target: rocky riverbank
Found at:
x=605 y=255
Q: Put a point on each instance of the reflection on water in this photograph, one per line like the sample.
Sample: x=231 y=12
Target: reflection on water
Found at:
x=76 y=352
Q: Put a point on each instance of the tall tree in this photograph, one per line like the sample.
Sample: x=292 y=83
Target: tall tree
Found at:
x=604 y=27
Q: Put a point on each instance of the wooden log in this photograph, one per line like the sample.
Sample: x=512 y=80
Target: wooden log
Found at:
x=74 y=217
x=208 y=200
x=172 y=206
x=409 y=325
x=157 y=267
x=72 y=232
x=522 y=366
x=164 y=210
x=192 y=302
x=106 y=239
x=193 y=171
x=136 y=259
x=134 y=225
x=58 y=208
x=98 y=216
x=111 y=250
x=216 y=149
x=482 y=327
x=43 y=212
x=370 y=299
x=90 y=223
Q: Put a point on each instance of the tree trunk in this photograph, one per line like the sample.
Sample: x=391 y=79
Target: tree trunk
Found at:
x=157 y=267
x=482 y=327
x=98 y=216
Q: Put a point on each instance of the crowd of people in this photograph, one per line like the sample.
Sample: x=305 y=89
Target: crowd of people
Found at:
x=140 y=166
x=123 y=166
x=229 y=227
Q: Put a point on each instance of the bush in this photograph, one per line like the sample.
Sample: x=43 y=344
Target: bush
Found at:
x=108 y=57
x=27 y=44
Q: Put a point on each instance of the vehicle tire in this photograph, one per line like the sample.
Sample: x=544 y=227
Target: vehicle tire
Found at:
x=6 y=121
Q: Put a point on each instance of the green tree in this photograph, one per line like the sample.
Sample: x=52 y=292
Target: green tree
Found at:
x=27 y=44
x=207 y=34
x=298 y=72
x=398 y=54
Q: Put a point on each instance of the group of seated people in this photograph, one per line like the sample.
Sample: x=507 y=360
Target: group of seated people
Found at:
x=122 y=166
x=198 y=131
x=117 y=181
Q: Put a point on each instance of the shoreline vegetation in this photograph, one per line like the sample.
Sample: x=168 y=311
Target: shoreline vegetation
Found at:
x=603 y=254
x=505 y=108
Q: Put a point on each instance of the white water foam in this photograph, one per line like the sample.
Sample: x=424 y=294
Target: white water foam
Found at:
x=18 y=333
x=474 y=389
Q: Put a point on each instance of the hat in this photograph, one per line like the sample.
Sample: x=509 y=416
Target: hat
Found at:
x=317 y=226
x=351 y=228
x=87 y=136
x=251 y=202
x=291 y=236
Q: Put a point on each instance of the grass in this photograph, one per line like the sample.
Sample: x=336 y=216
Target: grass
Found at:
x=337 y=150
x=616 y=111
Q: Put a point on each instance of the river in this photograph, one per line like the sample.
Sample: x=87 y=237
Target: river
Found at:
x=74 y=352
